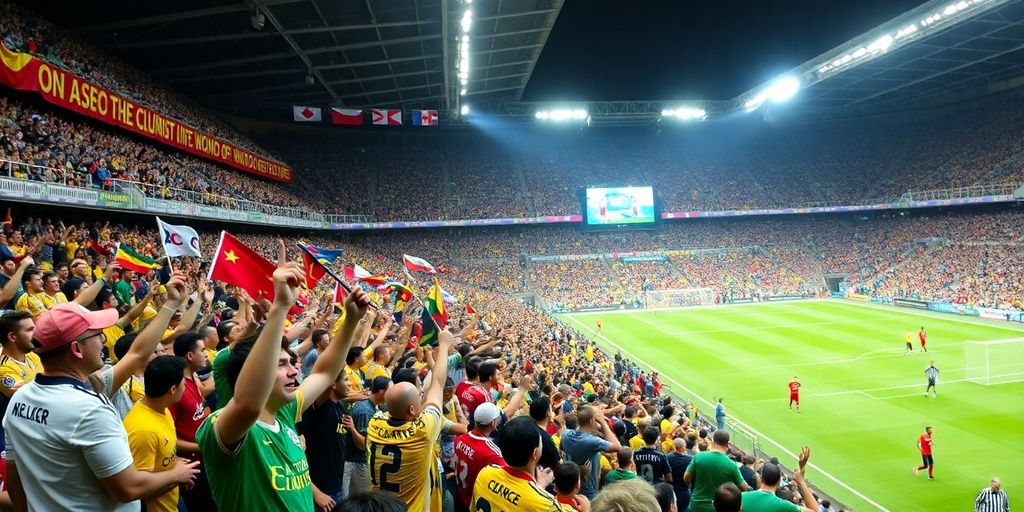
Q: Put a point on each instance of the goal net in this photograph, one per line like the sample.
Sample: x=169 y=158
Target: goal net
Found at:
x=678 y=297
x=995 y=362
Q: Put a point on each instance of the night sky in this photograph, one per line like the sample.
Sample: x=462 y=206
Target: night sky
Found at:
x=668 y=49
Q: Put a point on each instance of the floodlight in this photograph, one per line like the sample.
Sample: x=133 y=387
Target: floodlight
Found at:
x=685 y=113
x=562 y=114
x=783 y=89
x=464 y=110
x=881 y=44
x=462 y=92
x=467 y=20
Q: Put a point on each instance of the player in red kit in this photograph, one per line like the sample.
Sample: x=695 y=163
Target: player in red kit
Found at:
x=923 y=336
x=599 y=326
x=924 y=443
x=474 y=451
x=794 y=394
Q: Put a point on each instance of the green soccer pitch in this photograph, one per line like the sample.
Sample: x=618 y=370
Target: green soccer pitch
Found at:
x=862 y=401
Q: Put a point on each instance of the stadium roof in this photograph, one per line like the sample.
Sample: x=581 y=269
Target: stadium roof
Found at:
x=405 y=54
x=262 y=55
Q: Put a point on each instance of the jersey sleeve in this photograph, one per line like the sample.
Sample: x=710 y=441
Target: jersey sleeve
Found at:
x=102 y=439
x=431 y=416
x=8 y=380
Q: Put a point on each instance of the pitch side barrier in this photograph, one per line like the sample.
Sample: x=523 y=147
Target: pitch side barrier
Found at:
x=1006 y=315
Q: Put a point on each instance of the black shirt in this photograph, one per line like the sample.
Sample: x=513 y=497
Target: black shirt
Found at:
x=678 y=463
x=651 y=465
x=321 y=424
x=549 y=457
x=749 y=476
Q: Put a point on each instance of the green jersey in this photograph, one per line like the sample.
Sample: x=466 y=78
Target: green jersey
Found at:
x=764 y=501
x=266 y=471
x=618 y=475
x=220 y=377
x=710 y=470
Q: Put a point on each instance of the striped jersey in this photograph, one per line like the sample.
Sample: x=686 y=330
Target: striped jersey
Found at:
x=989 y=501
x=932 y=373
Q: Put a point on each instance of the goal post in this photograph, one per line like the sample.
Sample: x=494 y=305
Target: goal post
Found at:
x=994 y=361
x=678 y=297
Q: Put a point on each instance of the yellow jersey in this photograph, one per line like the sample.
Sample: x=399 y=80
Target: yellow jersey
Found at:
x=147 y=314
x=401 y=452
x=636 y=442
x=379 y=371
x=54 y=300
x=134 y=388
x=69 y=249
x=32 y=303
x=152 y=440
x=113 y=333
x=503 y=489
x=355 y=379
x=14 y=372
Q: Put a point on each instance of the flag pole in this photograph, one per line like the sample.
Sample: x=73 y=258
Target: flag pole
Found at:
x=331 y=273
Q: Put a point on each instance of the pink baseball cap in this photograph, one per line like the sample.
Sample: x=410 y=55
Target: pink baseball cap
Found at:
x=61 y=324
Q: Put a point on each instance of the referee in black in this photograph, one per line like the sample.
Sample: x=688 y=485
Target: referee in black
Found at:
x=933 y=375
x=992 y=499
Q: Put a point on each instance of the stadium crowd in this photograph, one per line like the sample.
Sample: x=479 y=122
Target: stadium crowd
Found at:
x=186 y=371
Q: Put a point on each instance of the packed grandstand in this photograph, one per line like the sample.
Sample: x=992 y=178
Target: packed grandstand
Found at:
x=507 y=356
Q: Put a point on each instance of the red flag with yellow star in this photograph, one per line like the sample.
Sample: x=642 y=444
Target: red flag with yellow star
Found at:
x=235 y=263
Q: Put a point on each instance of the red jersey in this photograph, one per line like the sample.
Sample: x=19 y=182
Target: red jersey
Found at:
x=922 y=336
x=189 y=412
x=473 y=453
x=794 y=388
x=925 y=444
x=461 y=387
x=472 y=396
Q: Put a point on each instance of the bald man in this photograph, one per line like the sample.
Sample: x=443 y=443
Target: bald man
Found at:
x=402 y=443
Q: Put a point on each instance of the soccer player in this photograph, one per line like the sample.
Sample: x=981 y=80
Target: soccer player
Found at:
x=992 y=499
x=933 y=375
x=512 y=487
x=794 y=394
x=924 y=443
x=252 y=453
x=150 y=427
x=909 y=340
x=402 y=444
x=923 y=336
x=599 y=326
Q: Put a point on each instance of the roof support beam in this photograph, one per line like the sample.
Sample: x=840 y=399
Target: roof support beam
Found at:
x=553 y=17
x=504 y=64
x=500 y=77
x=509 y=49
x=516 y=14
x=266 y=34
x=297 y=49
x=515 y=33
x=177 y=16
x=348 y=65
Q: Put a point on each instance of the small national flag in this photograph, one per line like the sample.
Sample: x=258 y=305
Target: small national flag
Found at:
x=8 y=220
x=306 y=114
x=315 y=259
x=386 y=117
x=97 y=248
x=424 y=118
x=448 y=297
x=403 y=292
x=470 y=310
x=131 y=260
x=347 y=116
x=435 y=316
x=235 y=263
x=360 y=274
x=415 y=264
x=339 y=293
x=314 y=271
x=178 y=240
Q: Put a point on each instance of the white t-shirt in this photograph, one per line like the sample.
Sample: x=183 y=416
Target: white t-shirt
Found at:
x=65 y=437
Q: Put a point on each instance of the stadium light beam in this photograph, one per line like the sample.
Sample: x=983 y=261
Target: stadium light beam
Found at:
x=783 y=89
x=562 y=115
x=464 y=110
x=686 y=113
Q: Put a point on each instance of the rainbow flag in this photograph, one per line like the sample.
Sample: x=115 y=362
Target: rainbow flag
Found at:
x=435 y=316
x=131 y=260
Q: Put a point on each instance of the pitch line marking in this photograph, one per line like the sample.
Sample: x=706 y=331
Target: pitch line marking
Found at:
x=886 y=388
x=786 y=326
x=785 y=450
x=862 y=357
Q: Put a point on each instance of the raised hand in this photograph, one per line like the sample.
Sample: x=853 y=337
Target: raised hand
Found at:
x=176 y=289
x=357 y=304
x=287 y=277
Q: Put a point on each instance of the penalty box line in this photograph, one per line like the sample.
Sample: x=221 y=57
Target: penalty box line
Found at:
x=775 y=443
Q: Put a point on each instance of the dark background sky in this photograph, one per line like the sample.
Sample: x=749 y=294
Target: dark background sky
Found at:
x=667 y=49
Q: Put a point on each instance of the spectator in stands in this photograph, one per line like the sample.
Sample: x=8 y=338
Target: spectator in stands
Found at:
x=324 y=431
x=585 y=444
x=78 y=422
x=625 y=468
x=372 y=502
x=190 y=412
x=747 y=471
x=474 y=451
x=567 y=487
x=708 y=470
x=678 y=461
x=357 y=476
x=727 y=498
x=764 y=498
x=521 y=478
x=666 y=497
x=634 y=495
x=232 y=439
x=651 y=464
x=150 y=427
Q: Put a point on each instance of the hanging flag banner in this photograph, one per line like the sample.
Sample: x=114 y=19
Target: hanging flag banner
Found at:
x=386 y=117
x=306 y=114
x=27 y=73
x=346 y=116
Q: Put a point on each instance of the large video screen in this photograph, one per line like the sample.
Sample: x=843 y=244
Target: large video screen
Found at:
x=614 y=206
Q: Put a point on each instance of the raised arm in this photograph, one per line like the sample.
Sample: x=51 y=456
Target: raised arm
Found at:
x=89 y=294
x=810 y=502
x=147 y=340
x=256 y=380
x=435 y=393
x=11 y=288
x=329 y=364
